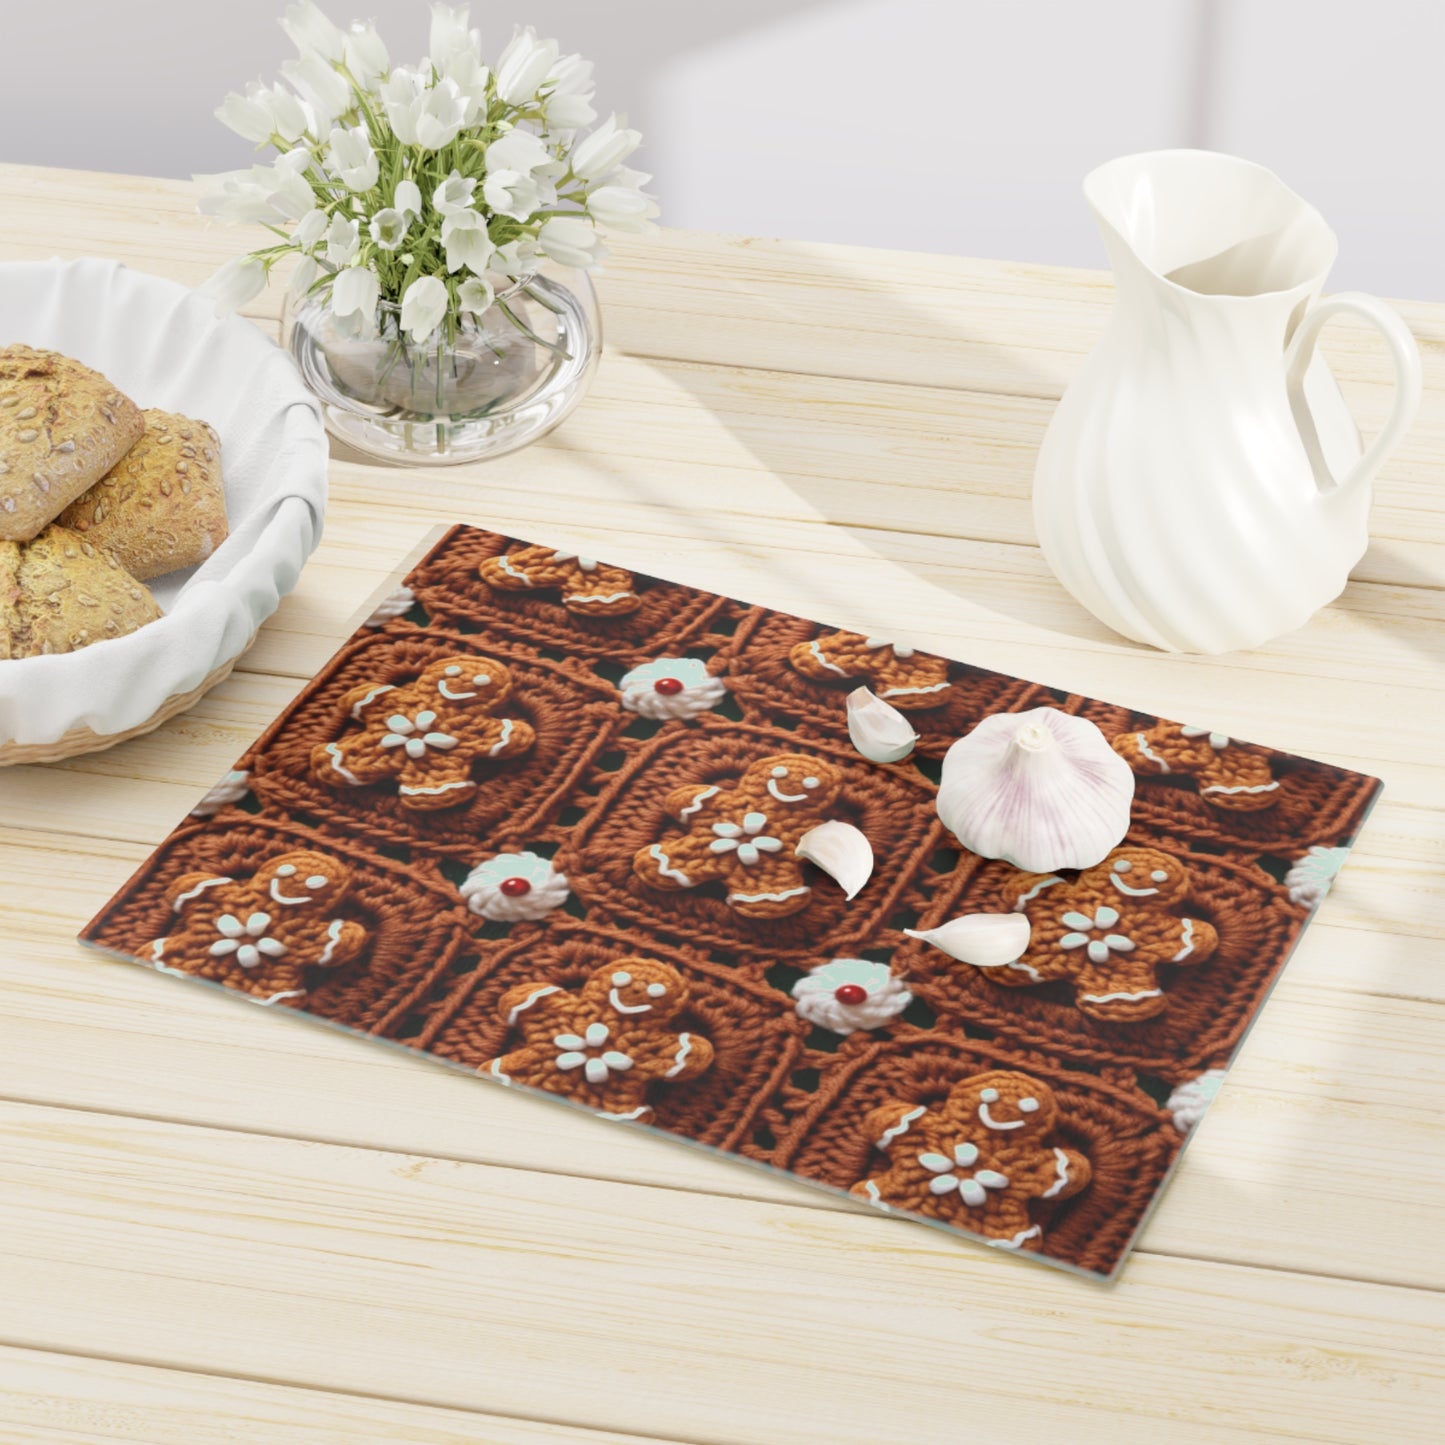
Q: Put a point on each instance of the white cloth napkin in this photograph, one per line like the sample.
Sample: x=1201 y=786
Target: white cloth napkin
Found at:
x=163 y=346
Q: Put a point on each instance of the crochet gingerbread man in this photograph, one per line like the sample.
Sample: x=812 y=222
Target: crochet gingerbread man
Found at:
x=1230 y=774
x=1108 y=932
x=606 y=1045
x=260 y=936
x=896 y=673
x=745 y=835
x=425 y=735
x=976 y=1161
x=588 y=588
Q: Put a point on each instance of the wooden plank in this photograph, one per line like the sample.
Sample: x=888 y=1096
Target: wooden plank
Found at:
x=998 y=326
x=469 y=1287
x=52 y=1399
x=1328 y=1073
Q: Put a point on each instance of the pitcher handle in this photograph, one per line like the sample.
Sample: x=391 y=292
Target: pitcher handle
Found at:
x=1403 y=352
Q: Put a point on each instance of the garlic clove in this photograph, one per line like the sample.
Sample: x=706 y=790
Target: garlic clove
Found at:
x=985 y=940
x=879 y=731
x=1041 y=789
x=842 y=852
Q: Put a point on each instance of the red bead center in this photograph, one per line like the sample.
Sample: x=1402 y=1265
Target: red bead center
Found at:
x=668 y=686
x=514 y=887
x=850 y=993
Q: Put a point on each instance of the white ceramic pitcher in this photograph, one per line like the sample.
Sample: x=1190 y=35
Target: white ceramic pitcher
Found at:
x=1202 y=485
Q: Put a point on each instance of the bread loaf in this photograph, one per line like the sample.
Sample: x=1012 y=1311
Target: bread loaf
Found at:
x=62 y=427
x=162 y=506
x=59 y=593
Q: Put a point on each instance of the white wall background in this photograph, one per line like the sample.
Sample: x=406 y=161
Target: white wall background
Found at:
x=942 y=125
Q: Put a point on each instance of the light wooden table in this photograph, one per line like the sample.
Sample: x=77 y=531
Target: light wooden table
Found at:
x=221 y=1225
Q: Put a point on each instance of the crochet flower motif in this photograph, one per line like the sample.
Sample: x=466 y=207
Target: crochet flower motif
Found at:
x=671 y=687
x=1311 y=877
x=588 y=587
x=426 y=735
x=514 y=887
x=847 y=995
x=261 y=935
x=978 y=1161
x=1233 y=776
x=1108 y=932
x=230 y=789
x=896 y=673
x=607 y=1045
x=745 y=836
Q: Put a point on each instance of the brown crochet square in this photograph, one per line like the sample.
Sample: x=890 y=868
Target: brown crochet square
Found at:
x=1210 y=1003
x=573 y=714
x=450 y=589
x=416 y=930
x=1129 y=1142
x=755 y=1036
x=586 y=787
x=765 y=682
x=893 y=807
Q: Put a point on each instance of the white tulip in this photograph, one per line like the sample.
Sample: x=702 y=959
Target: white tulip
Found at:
x=400 y=92
x=423 y=307
x=342 y=239
x=311 y=229
x=304 y=276
x=607 y=147
x=352 y=158
x=245 y=115
x=518 y=150
x=289 y=117
x=407 y=198
x=388 y=227
x=365 y=53
x=356 y=288
x=466 y=71
x=476 y=295
x=570 y=240
x=240 y=280
x=516 y=258
x=309 y=30
x=465 y=239
x=261 y=193
x=449 y=36
x=442 y=114
x=322 y=87
x=620 y=208
x=510 y=193
x=454 y=194
x=525 y=64
x=569 y=104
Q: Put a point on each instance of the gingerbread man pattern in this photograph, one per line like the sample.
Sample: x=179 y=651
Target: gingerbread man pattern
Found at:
x=978 y=1160
x=588 y=587
x=607 y=1045
x=1231 y=775
x=1108 y=932
x=260 y=936
x=426 y=735
x=896 y=673
x=746 y=836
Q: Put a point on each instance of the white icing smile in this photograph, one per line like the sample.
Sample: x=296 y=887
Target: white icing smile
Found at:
x=446 y=691
x=992 y=1123
x=784 y=797
x=283 y=898
x=615 y=999
x=1129 y=889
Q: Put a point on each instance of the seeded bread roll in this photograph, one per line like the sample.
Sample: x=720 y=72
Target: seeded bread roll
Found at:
x=59 y=593
x=62 y=427
x=162 y=506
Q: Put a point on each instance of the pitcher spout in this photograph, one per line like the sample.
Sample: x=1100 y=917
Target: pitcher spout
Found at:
x=1209 y=225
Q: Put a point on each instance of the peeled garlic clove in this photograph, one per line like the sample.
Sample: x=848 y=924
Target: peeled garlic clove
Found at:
x=842 y=852
x=1041 y=789
x=879 y=731
x=986 y=940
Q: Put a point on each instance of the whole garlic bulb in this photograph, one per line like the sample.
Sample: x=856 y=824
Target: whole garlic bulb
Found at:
x=1041 y=789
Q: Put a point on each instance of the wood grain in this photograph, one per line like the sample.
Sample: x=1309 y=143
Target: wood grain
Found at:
x=216 y=1223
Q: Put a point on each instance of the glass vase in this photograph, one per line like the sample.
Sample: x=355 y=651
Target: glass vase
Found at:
x=481 y=387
